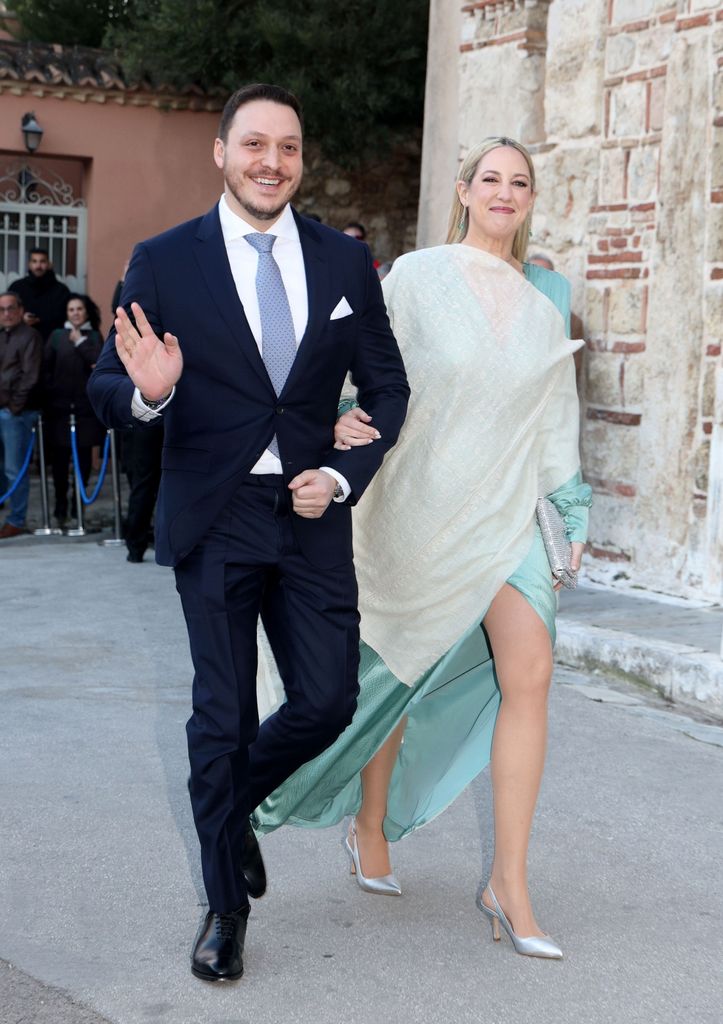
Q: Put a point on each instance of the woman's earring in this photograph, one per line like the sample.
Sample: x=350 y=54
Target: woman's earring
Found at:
x=461 y=219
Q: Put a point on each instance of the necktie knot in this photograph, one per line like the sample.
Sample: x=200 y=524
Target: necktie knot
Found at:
x=261 y=242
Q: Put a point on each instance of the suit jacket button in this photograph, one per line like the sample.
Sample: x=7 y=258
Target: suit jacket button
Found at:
x=279 y=409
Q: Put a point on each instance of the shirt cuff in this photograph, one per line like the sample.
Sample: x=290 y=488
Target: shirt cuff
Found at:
x=142 y=412
x=340 y=480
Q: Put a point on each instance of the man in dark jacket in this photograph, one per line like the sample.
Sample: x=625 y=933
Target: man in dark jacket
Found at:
x=254 y=508
x=21 y=353
x=44 y=297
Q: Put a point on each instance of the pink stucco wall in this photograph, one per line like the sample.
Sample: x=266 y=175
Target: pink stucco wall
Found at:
x=145 y=170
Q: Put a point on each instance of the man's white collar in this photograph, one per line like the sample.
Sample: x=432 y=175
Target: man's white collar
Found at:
x=234 y=226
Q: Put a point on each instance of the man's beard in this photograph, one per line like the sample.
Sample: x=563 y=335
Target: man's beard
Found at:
x=257 y=212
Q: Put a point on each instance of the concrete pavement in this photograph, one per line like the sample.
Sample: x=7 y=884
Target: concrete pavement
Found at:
x=671 y=645
x=99 y=868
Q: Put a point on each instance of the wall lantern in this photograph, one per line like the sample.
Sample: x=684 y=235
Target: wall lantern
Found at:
x=32 y=131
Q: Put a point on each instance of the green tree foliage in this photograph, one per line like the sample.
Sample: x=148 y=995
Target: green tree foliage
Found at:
x=357 y=65
x=69 y=22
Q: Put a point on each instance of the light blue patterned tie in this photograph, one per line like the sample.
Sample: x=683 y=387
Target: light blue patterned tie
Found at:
x=278 y=338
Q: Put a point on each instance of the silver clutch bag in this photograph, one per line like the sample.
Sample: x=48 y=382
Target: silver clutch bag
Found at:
x=557 y=546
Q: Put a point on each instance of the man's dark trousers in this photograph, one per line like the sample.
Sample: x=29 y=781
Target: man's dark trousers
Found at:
x=249 y=563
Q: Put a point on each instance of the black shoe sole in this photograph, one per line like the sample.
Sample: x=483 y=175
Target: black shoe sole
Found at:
x=215 y=977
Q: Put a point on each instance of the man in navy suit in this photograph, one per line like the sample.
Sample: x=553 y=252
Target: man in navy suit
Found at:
x=238 y=329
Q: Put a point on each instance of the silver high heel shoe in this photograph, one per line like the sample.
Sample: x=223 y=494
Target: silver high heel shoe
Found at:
x=385 y=885
x=533 y=945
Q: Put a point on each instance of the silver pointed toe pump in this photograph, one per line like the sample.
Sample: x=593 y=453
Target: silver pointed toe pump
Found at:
x=385 y=885
x=532 y=945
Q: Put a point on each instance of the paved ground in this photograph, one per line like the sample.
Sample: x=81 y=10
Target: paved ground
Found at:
x=97 y=516
x=667 y=644
x=99 y=869
x=650 y=619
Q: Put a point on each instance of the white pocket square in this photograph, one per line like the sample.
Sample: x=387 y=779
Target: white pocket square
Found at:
x=341 y=309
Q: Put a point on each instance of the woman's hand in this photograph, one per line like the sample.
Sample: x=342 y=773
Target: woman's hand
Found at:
x=575 y=560
x=352 y=429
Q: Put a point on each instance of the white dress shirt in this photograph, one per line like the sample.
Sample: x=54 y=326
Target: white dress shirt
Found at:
x=244 y=259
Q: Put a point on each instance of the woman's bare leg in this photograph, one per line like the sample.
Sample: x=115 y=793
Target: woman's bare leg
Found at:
x=523 y=659
x=375 y=777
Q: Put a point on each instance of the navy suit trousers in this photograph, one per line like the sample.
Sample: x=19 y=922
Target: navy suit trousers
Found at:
x=249 y=564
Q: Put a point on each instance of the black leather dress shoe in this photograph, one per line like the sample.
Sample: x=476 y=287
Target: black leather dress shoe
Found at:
x=218 y=950
x=252 y=864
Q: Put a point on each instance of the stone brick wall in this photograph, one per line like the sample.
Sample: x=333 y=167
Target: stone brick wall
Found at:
x=621 y=103
x=383 y=196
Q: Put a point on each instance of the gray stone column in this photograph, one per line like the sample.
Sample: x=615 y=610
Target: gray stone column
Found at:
x=714 y=546
x=440 y=146
x=665 y=476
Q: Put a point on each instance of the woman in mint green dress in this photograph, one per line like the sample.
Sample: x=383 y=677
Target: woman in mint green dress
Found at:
x=457 y=600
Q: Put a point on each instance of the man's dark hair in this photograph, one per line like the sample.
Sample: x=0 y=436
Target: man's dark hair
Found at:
x=257 y=91
x=38 y=252
x=12 y=295
x=357 y=226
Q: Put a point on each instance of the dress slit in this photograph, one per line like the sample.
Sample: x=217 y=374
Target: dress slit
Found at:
x=434 y=764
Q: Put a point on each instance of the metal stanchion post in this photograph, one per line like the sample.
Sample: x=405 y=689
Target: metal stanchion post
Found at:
x=115 y=477
x=45 y=530
x=78 y=530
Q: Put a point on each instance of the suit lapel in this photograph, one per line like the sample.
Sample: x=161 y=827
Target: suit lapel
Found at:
x=210 y=254
x=212 y=259
x=318 y=289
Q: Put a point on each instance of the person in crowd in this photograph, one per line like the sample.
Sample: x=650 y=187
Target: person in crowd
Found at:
x=115 y=301
x=142 y=450
x=356 y=230
x=457 y=599
x=43 y=296
x=70 y=354
x=21 y=354
x=254 y=505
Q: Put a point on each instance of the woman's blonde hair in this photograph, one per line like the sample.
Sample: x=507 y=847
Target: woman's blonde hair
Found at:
x=459 y=215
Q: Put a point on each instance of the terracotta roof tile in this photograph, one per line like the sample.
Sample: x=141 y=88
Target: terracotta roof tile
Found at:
x=58 y=66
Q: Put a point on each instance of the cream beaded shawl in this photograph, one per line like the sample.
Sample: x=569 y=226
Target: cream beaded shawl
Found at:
x=492 y=424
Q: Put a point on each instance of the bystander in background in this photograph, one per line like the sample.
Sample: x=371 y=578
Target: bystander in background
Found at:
x=21 y=353
x=43 y=296
x=142 y=446
x=70 y=355
x=356 y=230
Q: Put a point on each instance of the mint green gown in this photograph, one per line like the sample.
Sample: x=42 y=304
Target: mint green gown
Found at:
x=451 y=709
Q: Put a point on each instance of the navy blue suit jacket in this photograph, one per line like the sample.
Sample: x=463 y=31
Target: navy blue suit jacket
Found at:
x=225 y=411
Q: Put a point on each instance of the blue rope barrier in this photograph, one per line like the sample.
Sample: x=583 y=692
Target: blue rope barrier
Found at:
x=23 y=471
x=78 y=477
